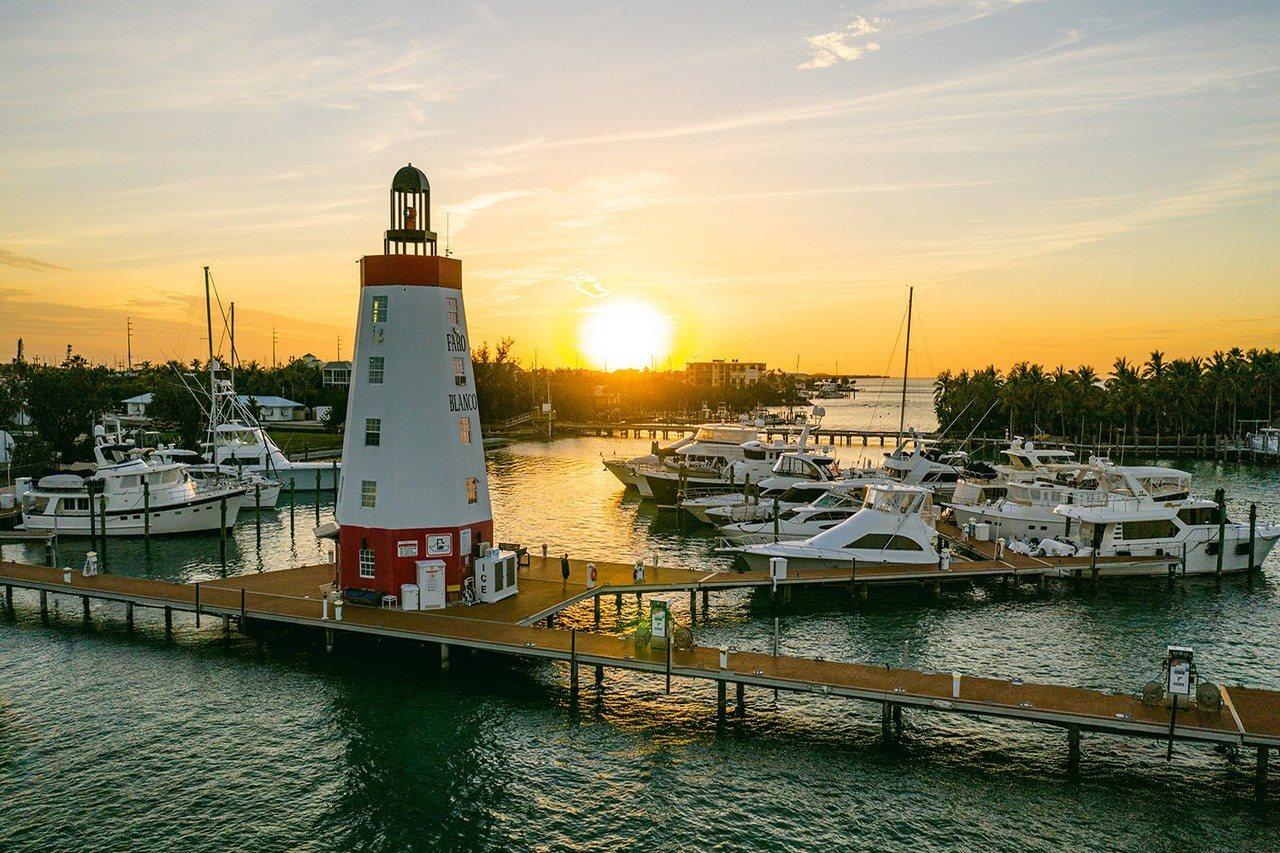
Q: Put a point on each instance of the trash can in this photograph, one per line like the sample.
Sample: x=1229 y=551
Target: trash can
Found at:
x=409 y=598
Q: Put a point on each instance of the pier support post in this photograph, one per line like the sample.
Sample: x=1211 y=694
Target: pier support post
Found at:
x=444 y=657
x=599 y=675
x=720 y=710
x=8 y=600
x=128 y=617
x=226 y=627
x=897 y=720
x=886 y=720
x=1073 y=750
x=44 y=606
x=1260 y=774
x=328 y=639
x=596 y=606
x=740 y=701
x=693 y=607
x=706 y=603
x=168 y=623
x=84 y=606
x=573 y=668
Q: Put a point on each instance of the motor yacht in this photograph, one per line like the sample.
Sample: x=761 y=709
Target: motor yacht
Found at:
x=1144 y=511
x=1265 y=441
x=141 y=496
x=710 y=443
x=896 y=524
x=260 y=491
x=792 y=470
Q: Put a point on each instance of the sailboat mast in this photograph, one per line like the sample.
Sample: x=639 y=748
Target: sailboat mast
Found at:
x=906 y=361
x=233 y=344
x=213 y=381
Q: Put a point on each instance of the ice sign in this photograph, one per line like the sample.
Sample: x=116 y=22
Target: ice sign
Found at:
x=1179 y=670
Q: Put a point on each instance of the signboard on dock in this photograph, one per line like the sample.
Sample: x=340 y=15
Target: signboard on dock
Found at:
x=658 y=620
x=439 y=544
x=408 y=548
x=1180 y=670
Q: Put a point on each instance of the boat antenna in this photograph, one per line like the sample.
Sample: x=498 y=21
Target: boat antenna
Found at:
x=906 y=360
x=446 y=235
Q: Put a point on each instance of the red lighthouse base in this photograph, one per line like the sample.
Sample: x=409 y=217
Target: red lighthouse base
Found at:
x=396 y=553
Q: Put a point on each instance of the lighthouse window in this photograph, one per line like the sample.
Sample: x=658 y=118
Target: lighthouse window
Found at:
x=464 y=429
x=473 y=490
x=372 y=432
x=452 y=303
x=377 y=364
x=368 y=494
x=379 y=309
x=459 y=372
x=368 y=566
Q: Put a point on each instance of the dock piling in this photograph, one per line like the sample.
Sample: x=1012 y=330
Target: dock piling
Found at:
x=1073 y=750
x=128 y=617
x=720 y=700
x=197 y=604
x=317 y=496
x=444 y=657
x=1220 y=498
x=222 y=534
x=168 y=624
x=102 y=528
x=84 y=606
x=292 y=504
x=693 y=607
x=44 y=607
x=8 y=600
x=1260 y=773
x=573 y=668
x=596 y=605
x=740 y=700
x=257 y=513
x=886 y=721
x=146 y=513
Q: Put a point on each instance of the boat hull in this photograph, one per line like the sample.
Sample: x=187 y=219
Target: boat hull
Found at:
x=196 y=517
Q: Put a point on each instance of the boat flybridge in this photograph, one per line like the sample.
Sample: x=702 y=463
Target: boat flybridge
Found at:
x=260 y=491
x=980 y=484
x=1149 y=511
x=1265 y=441
x=142 y=497
x=896 y=524
x=800 y=476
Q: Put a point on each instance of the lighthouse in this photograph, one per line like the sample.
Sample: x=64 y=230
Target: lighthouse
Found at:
x=413 y=508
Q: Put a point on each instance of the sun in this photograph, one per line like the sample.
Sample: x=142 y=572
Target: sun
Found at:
x=621 y=334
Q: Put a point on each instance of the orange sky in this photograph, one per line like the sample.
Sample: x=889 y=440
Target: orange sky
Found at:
x=1060 y=182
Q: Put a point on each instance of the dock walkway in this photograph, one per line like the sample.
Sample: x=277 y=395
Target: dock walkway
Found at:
x=1247 y=717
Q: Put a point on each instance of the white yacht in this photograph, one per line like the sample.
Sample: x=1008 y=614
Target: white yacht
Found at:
x=838 y=503
x=918 y=462
x=800 y=468
x=896 y=524
x=718 y=442
x=1265 y=441
x=260 y=491
x=170 y=502
x=1148 y=512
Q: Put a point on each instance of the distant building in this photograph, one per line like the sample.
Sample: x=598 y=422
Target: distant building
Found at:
x=310 y=360
x=719 y=373
x=272 y=409
x=136 y=407
x=336 y=373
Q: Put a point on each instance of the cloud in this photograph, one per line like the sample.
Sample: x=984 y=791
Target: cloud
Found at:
x=598 y=201
x=588 y=285
x=460 y=214
x=22 y=262
x=846 y=44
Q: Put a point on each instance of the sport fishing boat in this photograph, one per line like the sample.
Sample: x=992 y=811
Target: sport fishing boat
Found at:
x=1148 y=512
x=792 y=470
x=142 y=497
x=1265 y=441
x=896 y=524
x=840 y=502
x=919 y=462
x=260 y=492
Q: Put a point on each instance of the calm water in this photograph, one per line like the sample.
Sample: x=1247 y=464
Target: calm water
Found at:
x=108 y=742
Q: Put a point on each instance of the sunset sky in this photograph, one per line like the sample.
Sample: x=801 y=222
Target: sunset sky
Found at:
x=1061 y=182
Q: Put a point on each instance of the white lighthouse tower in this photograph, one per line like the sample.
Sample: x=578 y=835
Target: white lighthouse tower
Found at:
x=413 y=506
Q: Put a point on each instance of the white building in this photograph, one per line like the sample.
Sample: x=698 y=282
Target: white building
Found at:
x=272 y=409
x=136 y=407
x=413 y=505
x=336 y=373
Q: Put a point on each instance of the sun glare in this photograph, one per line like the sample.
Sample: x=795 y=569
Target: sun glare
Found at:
x=620 y=334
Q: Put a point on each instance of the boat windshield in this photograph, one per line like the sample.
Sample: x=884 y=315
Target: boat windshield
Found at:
x=897 y=502
x=836 y=499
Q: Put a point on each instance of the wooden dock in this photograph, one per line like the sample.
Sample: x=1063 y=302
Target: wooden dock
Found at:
x=1246 y=718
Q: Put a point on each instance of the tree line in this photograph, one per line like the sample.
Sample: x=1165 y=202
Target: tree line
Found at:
x=1223 y=395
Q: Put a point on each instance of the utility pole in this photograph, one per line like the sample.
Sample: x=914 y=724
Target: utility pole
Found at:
x=274 y=338
x=906 y=360
x=128 y=334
